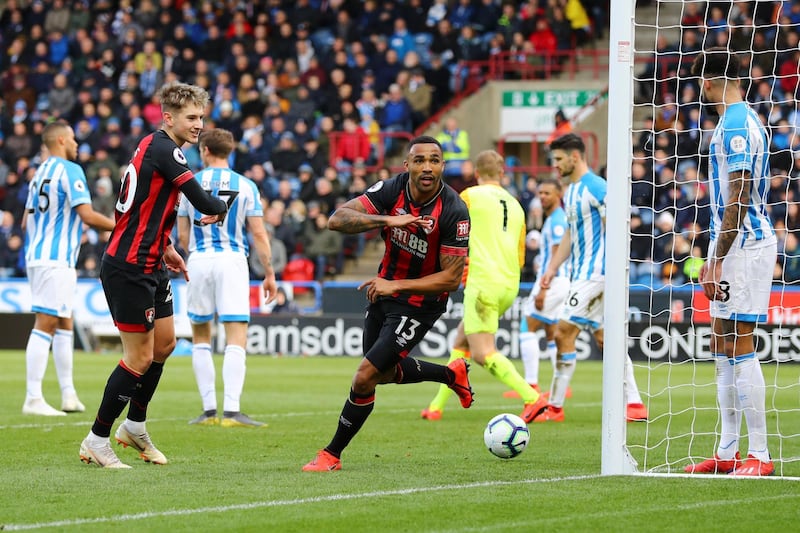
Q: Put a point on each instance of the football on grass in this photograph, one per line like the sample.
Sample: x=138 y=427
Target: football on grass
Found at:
x=506 y=435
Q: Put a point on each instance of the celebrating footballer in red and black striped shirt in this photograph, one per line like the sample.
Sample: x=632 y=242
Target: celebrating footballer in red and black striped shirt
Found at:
x=414 y=251
x=426 y=231
x=134 y=271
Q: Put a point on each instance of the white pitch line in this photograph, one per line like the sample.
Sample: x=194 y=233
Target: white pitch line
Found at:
x=87 y=422
x=280 y=503
x=531 y=523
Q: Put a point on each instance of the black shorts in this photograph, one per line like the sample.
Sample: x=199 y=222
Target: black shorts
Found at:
x=392 y=329
x=136 y=299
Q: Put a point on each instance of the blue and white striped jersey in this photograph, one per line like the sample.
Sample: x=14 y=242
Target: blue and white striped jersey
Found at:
x=584 y=203
x=53 y=227
x=552 y=232
x=740 y=143
x=243 y=200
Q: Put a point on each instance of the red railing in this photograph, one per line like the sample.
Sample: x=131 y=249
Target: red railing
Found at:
x=379 y=148
x=536 y=140
x=472 y=75
x=534 y=65
x=521 y=66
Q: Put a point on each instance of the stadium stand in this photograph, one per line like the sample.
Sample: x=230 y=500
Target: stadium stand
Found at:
x=284 y=76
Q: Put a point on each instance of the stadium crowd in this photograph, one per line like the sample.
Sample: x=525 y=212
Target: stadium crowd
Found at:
x=282 y=75
x=669 y=195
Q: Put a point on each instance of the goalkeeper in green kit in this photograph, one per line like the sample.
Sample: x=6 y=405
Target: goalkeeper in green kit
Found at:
x=496 y=255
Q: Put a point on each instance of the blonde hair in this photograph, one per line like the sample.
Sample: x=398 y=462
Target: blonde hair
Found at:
x=175 y=96
x=489 y=165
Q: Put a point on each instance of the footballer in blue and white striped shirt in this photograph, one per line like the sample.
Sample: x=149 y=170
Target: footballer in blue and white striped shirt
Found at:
x=583 y=244
x=219 y=280
x=737 y=277
x=57 y=206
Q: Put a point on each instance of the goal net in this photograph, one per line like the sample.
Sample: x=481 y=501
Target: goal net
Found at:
x=658 y=229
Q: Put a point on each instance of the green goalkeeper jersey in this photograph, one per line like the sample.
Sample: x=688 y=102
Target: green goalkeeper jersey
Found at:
x=497 y=236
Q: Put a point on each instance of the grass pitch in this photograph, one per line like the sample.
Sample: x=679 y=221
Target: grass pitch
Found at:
x=400 y=473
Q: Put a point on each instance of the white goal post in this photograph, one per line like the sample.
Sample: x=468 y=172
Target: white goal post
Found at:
x=675 y=371
x=615 y=456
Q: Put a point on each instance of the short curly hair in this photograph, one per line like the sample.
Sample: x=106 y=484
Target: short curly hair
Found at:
x=176 y=95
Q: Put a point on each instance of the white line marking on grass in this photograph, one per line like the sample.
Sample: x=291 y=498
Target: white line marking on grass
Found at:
x=731 y=478
x=529 y=524
x=88 y=422
x=281 y=503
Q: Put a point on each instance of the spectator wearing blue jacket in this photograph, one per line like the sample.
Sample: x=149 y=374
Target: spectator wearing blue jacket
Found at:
x=401 y=41
x=396 y=115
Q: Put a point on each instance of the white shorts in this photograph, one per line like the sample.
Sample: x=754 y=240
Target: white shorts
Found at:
x=52 y=290
x=218 y=283
x=747 y=280
x=553 y=301
x=584 y=304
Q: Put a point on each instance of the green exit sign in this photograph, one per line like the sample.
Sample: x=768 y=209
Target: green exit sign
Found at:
x=554 y=98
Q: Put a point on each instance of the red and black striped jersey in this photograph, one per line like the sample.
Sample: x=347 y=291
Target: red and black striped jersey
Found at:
x=148 y=203
x=413 y=252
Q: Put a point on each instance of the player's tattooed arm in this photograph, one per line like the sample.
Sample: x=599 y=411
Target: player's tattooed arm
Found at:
x=735 y=210
x=446 y=280
x=352 y=217
x=453 y=267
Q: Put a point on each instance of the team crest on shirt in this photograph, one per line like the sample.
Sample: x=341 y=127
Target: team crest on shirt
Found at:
x=179 y=156
x=431 y=224
x=150 y=315
x=738 y=144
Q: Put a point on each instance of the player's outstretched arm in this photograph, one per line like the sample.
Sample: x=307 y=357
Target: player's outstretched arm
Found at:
x=96 y=220
x=352 y=217
x=204 y=202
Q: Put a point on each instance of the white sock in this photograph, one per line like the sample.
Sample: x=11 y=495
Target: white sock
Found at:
x=137 y=428
x=565 y=368
x=96 y=440
x=752 y=397
x=36 y=354
x=529 y=353
x=631 y=390
x=203 y=365
x=233 y=369
x=730 y=416
x=62 y=357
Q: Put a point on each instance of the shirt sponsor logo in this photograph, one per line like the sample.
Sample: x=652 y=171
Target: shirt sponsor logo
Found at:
x=462 y=228
x=411 y=243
